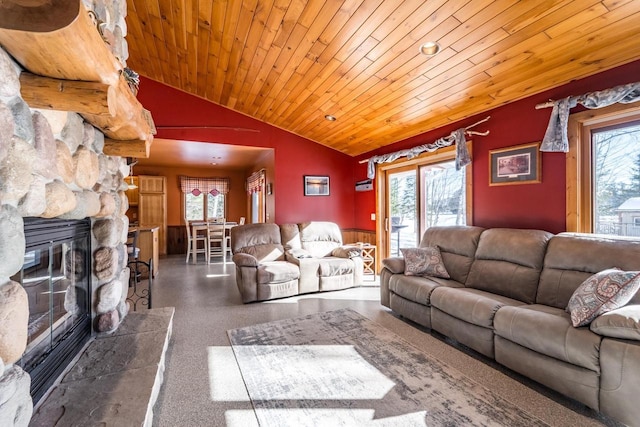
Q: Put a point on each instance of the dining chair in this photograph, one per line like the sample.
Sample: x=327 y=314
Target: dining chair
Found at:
x=241 y=222
x=190 y=242
x=217 y=241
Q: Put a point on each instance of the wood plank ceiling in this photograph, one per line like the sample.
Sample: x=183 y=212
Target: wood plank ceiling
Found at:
x=291 y=62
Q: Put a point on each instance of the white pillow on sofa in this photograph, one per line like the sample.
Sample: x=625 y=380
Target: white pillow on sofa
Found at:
x=603 y=292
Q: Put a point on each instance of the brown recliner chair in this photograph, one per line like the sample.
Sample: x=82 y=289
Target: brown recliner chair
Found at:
x=262 y=273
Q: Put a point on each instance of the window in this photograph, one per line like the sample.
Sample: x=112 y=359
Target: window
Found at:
x=603 y=171
x=196 y=206
x=636 y=221
x=204 y=198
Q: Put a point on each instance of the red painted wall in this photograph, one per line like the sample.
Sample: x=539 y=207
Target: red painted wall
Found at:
x=539 y=206
x=294 y=156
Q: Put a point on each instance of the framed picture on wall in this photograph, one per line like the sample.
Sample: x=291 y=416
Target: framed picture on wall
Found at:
x=515 y=165
x=315 y=185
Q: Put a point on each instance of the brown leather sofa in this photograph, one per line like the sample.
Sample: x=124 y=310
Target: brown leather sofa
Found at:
x=506 y=299
x=276 y=261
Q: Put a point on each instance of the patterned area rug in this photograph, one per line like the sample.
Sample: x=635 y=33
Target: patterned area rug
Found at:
x=338 y=368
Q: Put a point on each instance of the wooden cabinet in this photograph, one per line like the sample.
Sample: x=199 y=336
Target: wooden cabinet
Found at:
x=152 y=207
x=151 y=184
x=149 y=244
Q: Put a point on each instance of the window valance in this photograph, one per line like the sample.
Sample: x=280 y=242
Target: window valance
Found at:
x=456 y=137
x=255 y=182
x=197 y=186
x=556 y=137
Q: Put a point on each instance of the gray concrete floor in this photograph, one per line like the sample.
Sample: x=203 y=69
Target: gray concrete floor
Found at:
x=203 y=387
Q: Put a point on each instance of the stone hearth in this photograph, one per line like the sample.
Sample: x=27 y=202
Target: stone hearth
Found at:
x=52 y=165
x=116 y=380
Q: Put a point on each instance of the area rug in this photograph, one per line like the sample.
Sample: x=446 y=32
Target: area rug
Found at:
x=339 y=368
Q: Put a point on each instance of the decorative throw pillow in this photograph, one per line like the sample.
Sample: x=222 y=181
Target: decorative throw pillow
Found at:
x=424 y=262
x=604 y=291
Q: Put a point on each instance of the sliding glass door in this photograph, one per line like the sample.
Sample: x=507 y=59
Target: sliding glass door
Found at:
x=418 y=194
x=402 y=227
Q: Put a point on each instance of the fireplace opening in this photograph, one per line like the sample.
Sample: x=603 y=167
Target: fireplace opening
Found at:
x=56 y=275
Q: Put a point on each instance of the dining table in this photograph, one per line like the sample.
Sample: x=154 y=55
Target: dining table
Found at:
x=199 y=226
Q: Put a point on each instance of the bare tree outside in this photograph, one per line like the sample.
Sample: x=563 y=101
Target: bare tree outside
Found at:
x=443 y=199
x=617 y=181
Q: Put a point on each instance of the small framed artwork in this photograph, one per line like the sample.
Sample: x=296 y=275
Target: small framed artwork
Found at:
x=315 y=185
x=515 y=165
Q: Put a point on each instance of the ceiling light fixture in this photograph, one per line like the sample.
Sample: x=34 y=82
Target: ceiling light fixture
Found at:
x=430 y=48
x=131 y=185
x=330 y=118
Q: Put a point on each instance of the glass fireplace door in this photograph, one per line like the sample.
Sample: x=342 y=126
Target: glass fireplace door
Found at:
x=55 y=275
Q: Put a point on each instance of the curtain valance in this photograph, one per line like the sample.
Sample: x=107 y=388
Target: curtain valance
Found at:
x=255 y=182
x=556 y=137
x=196 y=186
x=456 y=137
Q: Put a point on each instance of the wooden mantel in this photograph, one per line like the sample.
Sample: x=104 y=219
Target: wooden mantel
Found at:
x=72 y=68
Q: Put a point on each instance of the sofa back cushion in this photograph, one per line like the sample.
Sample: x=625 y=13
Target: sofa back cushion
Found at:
x=508 y=262
x=260 y=240
x=320 y=238
x=290 y=234
x=573 y=257
x=457 y=245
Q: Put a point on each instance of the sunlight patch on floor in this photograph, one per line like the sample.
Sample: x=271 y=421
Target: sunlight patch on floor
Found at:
x=310 y=372
x=215 y=276
x=225 y=380
x=295 y=417
x=240 y=418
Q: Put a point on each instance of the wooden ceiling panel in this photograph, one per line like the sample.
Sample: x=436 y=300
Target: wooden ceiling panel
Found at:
x=291 y=62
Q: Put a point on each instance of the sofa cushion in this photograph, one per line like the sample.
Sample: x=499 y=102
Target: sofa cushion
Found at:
x=601 y=293
x=471 y=305
x=262 y=241
x=548 y=330
x=332 y=266
x=571 y=258
x=457 y=245
x=418 y=289
x=621 y=323
x=320 y=238
x=425 y=261
x=277 y=271
x=508 y=262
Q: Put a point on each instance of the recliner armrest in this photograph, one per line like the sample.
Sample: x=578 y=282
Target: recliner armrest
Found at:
x=245 y=260
x=394 y=265
x=623 y=322
x=346 y=252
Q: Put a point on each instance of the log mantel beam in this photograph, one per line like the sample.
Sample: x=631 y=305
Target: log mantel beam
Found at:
x=68 y=95
x=133 y=148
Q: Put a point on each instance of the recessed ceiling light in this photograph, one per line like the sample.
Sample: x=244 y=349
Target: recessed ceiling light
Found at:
x=430 y=48
x=213 y=164
x=330 y=118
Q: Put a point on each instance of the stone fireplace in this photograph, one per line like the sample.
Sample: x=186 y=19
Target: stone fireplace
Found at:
x=54 y=174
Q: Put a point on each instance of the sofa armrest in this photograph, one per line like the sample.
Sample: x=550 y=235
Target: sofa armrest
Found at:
x=245 y=260
x=346 y=252
x=621 y=323
x=394 y=265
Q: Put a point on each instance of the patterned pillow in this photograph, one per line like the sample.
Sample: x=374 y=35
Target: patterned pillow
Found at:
x=605 y=291
x=424 y=262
